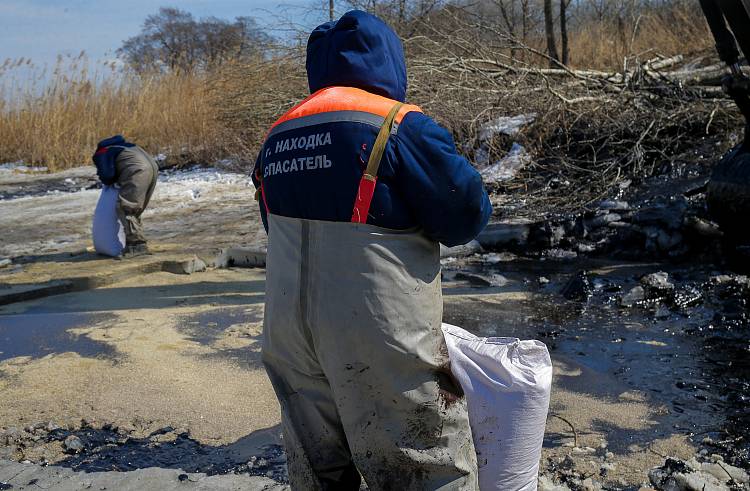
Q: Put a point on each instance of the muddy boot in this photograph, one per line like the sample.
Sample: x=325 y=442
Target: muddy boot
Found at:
x=137 y=249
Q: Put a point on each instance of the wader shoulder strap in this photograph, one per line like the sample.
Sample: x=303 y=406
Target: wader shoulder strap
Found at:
x=369 y=179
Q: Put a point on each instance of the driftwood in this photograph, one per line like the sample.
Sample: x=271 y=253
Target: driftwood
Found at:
x=653 y=71
x=594 y=131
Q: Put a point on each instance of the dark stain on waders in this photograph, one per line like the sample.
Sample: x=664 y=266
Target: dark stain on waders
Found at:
x=305 y=281
x=449 y=389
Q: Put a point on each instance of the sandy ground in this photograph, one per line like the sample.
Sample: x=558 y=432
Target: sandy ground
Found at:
x=150 y=367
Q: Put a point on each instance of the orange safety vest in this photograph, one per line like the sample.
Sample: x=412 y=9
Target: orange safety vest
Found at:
x=335 y=104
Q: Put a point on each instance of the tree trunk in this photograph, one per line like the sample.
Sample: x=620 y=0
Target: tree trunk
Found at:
x=525 y=21
x=549 y=27
x=330 y=10
x=524 y=26
x=564 y=31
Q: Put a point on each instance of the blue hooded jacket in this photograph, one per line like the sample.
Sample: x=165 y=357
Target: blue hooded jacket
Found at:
x=105 y=158
x=422 y=181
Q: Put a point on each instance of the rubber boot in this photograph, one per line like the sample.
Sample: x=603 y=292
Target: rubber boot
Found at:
x=136 y=249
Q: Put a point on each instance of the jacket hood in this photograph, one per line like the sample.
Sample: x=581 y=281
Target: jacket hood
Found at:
x=112 y=140
x=358 y=50
x=106 y=155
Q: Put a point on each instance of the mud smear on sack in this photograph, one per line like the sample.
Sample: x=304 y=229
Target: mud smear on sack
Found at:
x=685 y=346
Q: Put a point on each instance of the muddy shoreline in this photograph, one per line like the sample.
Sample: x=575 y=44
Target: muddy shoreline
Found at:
x=650 y=345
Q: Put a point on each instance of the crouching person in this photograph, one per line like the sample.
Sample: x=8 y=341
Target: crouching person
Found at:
x=134 y=172
x=357 y=190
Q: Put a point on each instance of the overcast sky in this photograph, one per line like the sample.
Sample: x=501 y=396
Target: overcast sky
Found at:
x=42 y=29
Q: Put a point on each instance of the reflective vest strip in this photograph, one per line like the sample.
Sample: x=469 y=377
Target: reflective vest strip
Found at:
x=330 y=117
x=344 y=99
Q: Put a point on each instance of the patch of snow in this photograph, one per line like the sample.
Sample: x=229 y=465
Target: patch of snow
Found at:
x=506 y=125
x=204 y=175
x=507 y=167
x=195 y=183
x=482 y=156
x=21 y=167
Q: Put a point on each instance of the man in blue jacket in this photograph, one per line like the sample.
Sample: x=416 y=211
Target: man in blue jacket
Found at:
x=356 y=191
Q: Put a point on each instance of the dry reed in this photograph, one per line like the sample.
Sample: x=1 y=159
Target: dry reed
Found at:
x=608 y=44
x=56 y=120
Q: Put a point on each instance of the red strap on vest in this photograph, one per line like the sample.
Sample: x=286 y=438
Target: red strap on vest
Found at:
x=261 y=191
x=370 y=177
x=364 y=199
x=263 y=195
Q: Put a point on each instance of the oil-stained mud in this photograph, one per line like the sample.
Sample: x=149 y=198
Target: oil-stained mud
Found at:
x=28 y=185
x=37 y=334
x=94 y=448
x=680 y=335
x=106 y=450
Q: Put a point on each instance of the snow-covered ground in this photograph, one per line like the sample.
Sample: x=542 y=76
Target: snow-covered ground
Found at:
x=20 y=167
x=191 y=210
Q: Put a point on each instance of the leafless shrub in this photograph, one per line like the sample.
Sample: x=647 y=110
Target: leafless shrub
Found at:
x=594 y=128
x=249 y=97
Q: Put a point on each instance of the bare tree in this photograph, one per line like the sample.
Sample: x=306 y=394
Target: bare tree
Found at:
x=403 y=15
x=564 y=31
x=174 y=40
x=549 y=29
x=525 y=21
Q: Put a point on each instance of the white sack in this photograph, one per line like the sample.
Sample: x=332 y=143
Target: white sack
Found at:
x=107 y=229
x=507 y=384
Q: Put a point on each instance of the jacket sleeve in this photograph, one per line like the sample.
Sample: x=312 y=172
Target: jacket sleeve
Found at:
x=256 y=176
x=444 y=192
